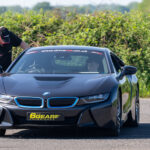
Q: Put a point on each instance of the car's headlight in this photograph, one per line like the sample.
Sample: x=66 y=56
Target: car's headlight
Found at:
x=95 y=98
x=6 y=99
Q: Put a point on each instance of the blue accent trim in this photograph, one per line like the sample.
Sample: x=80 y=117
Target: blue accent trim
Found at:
x=42 y=105
x=49 y=106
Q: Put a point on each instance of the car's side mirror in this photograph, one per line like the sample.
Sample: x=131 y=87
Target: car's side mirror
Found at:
x=127 y=70
x=1 y=69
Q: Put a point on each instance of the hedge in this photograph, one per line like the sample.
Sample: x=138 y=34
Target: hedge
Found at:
x=128 y=35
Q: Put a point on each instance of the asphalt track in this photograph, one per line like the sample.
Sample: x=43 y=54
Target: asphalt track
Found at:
x=71 y=139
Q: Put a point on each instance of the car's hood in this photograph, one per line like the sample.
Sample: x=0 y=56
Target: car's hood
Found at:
x=57 y=85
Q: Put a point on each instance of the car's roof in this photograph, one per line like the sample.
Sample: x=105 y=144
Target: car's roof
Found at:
x=72 y=47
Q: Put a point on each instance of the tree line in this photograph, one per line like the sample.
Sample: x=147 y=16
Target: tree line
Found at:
x=46 y=6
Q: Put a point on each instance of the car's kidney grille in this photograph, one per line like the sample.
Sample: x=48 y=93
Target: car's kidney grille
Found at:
x=29 y=102
x=62 y=102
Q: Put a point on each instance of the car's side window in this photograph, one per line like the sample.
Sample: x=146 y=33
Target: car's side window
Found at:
x=116 y=62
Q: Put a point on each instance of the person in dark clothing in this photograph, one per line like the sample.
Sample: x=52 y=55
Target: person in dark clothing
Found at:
x=8 y=40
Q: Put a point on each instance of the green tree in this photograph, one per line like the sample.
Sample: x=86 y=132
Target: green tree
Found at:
x=43 y=5
x=133 y=5
x=145 y=6
x=16 y=8
x=3 y=9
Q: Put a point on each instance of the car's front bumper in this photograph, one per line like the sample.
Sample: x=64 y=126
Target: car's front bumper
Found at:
x=100 y=114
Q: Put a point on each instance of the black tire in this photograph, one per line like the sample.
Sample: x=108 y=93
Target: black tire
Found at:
x=2 y=132
x=116 y=130
x=134 y=121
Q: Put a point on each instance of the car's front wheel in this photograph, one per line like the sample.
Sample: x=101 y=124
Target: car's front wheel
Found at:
x=116 y=130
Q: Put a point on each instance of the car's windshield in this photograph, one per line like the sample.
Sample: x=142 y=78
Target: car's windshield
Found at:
x=61 y=62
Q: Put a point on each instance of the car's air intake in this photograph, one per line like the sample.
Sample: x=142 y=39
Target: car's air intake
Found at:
x=62 y=102
x=29 y=102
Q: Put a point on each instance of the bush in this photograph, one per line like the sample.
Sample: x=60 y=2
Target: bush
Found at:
x=128 y=35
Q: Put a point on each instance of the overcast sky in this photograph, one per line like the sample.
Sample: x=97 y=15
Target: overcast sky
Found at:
x=30 y=3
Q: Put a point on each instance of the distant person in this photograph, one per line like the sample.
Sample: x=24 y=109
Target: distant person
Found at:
x=8 y=40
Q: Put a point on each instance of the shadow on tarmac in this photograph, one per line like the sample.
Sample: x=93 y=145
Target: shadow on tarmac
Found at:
x=141 y=132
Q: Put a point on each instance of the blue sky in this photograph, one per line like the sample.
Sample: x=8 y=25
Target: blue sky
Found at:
x=30 y=3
